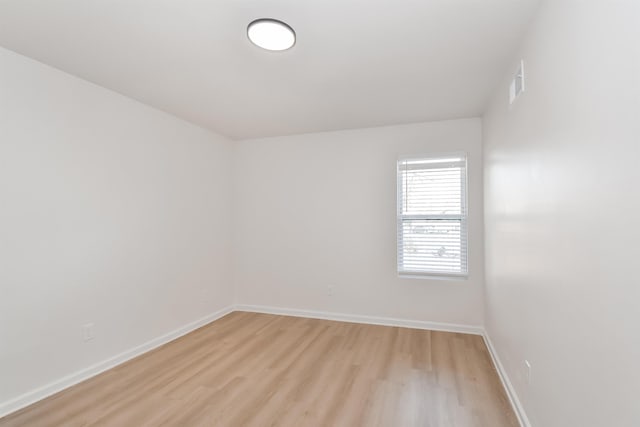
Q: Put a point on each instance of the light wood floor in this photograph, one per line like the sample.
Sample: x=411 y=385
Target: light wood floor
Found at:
x=264 y=370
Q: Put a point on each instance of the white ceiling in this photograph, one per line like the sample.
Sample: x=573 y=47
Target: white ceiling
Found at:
x=356 y=63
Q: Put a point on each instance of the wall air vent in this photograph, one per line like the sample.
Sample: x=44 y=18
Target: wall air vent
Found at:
x=517 y=84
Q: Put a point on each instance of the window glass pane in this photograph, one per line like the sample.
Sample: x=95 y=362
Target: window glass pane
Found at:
x=433 y=246
x=433 y=191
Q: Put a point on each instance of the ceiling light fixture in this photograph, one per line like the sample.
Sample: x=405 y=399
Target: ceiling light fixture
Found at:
x=271 y=34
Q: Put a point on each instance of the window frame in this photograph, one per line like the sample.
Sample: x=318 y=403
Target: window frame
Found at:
x=464 y=218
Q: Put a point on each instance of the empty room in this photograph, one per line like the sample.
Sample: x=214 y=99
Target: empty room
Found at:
x=409 y=213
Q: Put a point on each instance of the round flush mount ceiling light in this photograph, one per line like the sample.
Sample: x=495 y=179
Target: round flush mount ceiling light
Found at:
x=271 y=34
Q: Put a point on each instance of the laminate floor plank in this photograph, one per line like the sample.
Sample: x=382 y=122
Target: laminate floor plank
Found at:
x=250 y=369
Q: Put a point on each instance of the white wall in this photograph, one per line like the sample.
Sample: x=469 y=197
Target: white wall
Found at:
x=112 y=213
x=562 y=205
x=319 y=210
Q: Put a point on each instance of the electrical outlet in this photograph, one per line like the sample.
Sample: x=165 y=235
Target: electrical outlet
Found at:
x=87 y=332
x=527 y=371
x=330 y=290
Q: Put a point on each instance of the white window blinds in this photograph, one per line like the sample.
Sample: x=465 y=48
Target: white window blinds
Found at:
x=432 y=216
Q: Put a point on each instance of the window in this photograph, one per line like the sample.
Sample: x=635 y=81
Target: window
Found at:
x=432 y=216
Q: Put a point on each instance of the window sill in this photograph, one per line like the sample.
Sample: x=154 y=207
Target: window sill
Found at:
x=434 y=276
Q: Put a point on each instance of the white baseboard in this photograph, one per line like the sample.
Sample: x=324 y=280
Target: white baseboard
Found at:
x=506 y=383
x=47 y=390
x=356 y=318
